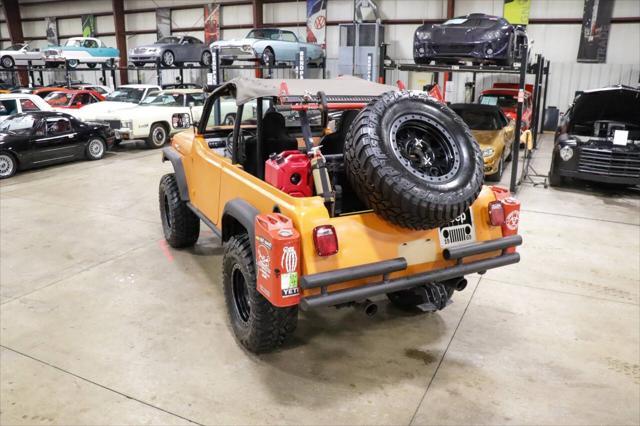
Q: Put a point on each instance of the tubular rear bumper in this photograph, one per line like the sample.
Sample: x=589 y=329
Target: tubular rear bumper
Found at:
x=323 y=279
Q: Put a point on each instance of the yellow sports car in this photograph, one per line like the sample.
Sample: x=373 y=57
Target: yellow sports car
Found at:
x=494 y=133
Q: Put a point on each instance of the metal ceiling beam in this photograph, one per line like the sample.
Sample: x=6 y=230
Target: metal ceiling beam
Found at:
x=14 y=23
x=451 y=8
x=258 y=20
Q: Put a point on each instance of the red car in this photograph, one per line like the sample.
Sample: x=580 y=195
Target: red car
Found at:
x=72 y=98
x=505 y=95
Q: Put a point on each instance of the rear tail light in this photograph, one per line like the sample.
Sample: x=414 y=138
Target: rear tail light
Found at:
x=326 y=240
x=496 y=213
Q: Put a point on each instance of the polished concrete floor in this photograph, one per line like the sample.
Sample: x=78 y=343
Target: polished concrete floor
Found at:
x=102 y=323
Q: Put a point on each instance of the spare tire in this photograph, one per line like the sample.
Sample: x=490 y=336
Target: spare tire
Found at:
x=413 y=161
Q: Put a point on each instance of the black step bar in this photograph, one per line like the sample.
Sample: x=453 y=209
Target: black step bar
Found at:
x=386 y=285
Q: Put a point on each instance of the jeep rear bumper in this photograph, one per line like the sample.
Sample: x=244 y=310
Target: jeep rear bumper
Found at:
x=385 y=285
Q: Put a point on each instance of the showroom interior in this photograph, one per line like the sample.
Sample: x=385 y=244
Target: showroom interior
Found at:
x=320 y=212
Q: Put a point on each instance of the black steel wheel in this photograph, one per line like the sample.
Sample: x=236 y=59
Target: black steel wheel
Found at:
x=205 y=60
x=257 y=324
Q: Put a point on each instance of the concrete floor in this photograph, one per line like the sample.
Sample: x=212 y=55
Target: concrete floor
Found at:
x=102 y=323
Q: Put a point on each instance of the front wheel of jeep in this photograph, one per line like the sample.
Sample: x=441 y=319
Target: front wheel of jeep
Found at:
x=180 y=225
x=257 y=324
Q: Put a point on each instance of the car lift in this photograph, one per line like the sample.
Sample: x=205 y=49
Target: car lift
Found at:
x=537 y=69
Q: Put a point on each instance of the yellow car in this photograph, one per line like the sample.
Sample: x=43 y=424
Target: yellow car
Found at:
x=494 y=133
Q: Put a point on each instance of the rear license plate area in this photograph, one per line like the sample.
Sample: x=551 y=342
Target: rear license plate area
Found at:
x=458 y=232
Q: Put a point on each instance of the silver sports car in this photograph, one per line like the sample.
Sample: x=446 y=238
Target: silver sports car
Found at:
x=172 y=51
x=269 y=46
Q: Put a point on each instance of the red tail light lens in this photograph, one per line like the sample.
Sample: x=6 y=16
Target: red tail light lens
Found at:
x=496 y=213
x=325 y=239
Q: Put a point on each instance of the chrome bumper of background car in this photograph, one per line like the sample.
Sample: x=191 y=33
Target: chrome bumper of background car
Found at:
x=123 y=133
x=237 y=54
x=144 y=58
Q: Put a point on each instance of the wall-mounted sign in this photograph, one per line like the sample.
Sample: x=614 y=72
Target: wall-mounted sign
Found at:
x=517 y=11
x=211 y=23
x=317 y=22
x=88 y=25
x=594 y=37
x=163 y=22
x=52 y=30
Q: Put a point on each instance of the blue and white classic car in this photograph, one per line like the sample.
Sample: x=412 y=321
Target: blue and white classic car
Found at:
x=267 y=45
x=85 y=50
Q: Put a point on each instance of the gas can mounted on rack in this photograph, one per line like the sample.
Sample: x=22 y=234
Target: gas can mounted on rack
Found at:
x=277 y=259
x=290 y=172
x=511 y=212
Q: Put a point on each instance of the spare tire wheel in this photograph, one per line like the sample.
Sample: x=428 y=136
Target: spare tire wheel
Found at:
x=413 y=161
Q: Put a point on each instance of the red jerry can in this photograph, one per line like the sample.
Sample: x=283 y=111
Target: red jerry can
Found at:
x=290 y=171
x=277 y=259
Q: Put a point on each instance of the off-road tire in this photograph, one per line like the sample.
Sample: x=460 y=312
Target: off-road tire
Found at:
x=153 y=141
x=264 y=327
x=180 y=225
x=388 y=185
x=408 y=300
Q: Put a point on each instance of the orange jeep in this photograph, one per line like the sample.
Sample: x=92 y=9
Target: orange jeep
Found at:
x=330 y=193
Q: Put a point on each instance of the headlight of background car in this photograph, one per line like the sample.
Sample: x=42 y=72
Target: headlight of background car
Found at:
x=423 y=35
x=153 y=50
x=128 y=124
x=493 y=34
x=487 y=152
x=180 y=121
x=247 y=48
x=566 y=152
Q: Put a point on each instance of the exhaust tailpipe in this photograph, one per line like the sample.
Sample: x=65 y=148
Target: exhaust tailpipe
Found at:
x=462 y=284
x=368 y=307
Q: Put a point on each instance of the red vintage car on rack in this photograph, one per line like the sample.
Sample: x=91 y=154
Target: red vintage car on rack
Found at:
x=505 y=95
x=72 y=98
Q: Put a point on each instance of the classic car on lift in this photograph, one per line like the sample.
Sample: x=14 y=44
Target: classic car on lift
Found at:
x=41 y=138
x=152 y=119
x=505 y=95
x=494 y=133
x=20 y=54
x=85 y=50
x=598 y=138
x=172 y=51
x=16 y=103
x=72 y=98
x=269 y=46
x=477 y=37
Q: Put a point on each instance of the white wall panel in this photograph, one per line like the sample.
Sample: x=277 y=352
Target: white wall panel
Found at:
x=411 y=9
x=555 y=9
x=64 y=8
x=625 y=8
x=105 y=24
x=187 y=18
x=140 y=21
x=68 y=27
x=285 y=12
x=237 y=15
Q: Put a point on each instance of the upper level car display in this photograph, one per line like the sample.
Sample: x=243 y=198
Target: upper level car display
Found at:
x=598 y=138
x=172 y=51
x=85 y=50
x=103 y=90
x=505 y=95
x=477 y=37
x=494 y=133
x=72 y=98
x=269 y=46
x=20 y=54
x=16 y=103
x=42 y=138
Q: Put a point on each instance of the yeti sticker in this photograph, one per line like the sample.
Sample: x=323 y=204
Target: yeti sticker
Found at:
x=289 y=276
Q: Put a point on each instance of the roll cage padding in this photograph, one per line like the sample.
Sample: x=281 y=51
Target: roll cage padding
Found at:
x=245 y=214
x=169 y=153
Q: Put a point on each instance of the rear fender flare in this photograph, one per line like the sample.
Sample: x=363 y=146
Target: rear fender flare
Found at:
x=169 y=153
x=239 y=212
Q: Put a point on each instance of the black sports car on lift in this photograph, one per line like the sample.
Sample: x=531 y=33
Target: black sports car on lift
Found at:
x=46 y=137
x=598 y=138
x=477 y=37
